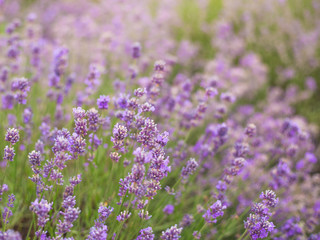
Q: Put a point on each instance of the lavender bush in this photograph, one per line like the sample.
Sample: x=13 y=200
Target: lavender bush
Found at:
x=159 y=119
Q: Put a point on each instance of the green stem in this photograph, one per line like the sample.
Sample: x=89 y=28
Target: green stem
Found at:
x=29 y=231
x=179 y=180
x=204 y=225
x=243 y=235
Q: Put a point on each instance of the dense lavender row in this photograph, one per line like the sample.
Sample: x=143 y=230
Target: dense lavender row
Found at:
x=117 y=125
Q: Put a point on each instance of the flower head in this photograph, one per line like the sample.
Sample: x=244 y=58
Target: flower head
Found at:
x=172 y=233
x=12 y=135
x=103 y=102
x=214 y=211
x=146 y=234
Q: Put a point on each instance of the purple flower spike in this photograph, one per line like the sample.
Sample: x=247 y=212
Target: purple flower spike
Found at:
x=172 y=233
x=136 y=50
x=196 y=235
x=190 y=168
x=146 y=234
x=139 y=92
x=168 y=209
x=257 y=223
x=269 y=198
x=123 y=216
x=8 y=153
x=12 y=136
x=251 y=130
x=104 y=213
x=103 y=102
x=211 y=92
x=98 y=232
x=144 y=215
x=41 y=209
x=214 y=211
x=8 y=101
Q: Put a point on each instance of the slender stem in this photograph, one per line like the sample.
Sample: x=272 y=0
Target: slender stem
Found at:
x=204 y=225
x=243 y=235
x=4 y=175
x=179 y=180
x=121 y=225
x=29 y=231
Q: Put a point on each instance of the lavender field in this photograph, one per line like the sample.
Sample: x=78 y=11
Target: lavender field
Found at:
x=159 y=119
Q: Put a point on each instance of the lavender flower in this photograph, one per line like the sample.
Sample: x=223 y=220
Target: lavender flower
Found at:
x=214 y=211
x=34 y=158
x=123 y=101
x=93 y=78
x=251 y=130
x=11 y=199
x=148 y=132
x=60 y=60
x=258 y=228
x=172 y=233
x=211 y=92
x=115 y=156
x=228 y=97
x=119 y=134
x=104 y=213
x=12 y=136
x=190 y=168
x=93 y=119
x=144 y=215
x=8 y=153
x=146 y=234
x=39 y=146
x=139 y=92
x=70 y=215
x=257 y=223
x=21 y=87
x=78 y=113
x=75 y=180
x=196 y=235
x=7 y=212
x=269 y=198
x=10 y=235
x=70 y=212
x=168 y=209
x=7 y=101
x=77 y=144
x=27 y=115
x=187 y=220
x=98 y=232
x=291 y=228
x=221 y=186
x=123 y=216
x=103 y=102
x=136 y=50
x=41 y=209
x=159 y=65
x=146 y=107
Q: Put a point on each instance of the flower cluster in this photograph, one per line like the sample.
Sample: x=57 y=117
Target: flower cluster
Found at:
x=214 y=211
x=171 y=233
x=99 y=230
x=258 y=223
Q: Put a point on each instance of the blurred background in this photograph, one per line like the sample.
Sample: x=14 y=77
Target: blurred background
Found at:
x=282 y=34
